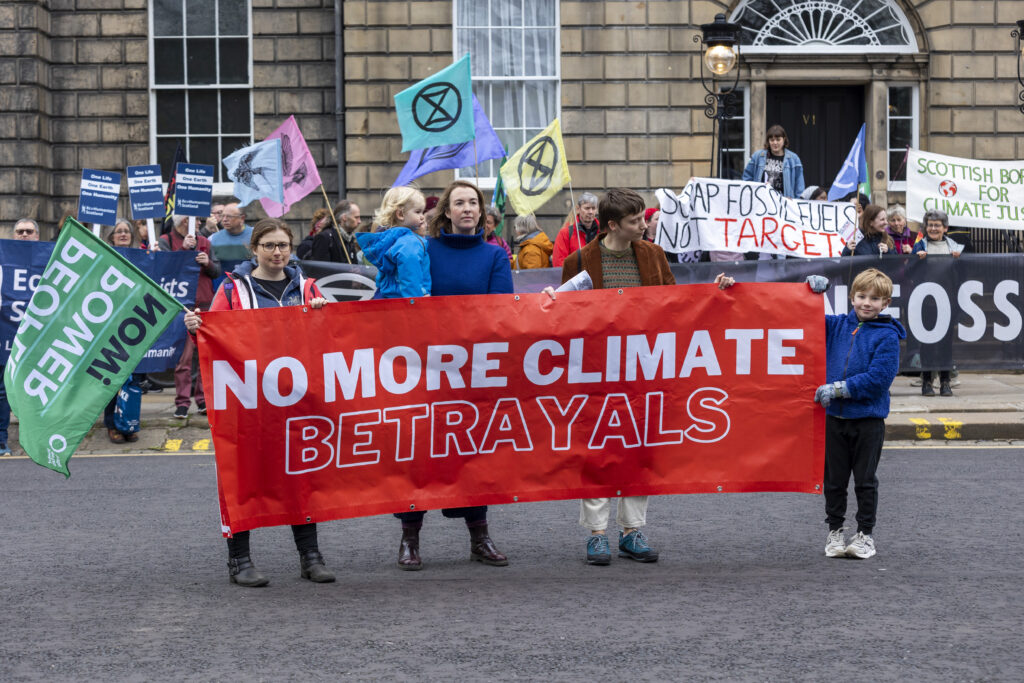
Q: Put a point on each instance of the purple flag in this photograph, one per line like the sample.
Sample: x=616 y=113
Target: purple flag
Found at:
x=424 y=161
x=298 y=169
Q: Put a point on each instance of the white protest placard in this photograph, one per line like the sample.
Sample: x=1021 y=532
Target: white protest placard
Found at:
x=973 y=193
x=740 y=216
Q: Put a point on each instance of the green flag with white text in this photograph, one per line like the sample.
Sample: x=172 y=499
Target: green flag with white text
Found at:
x=90 y=321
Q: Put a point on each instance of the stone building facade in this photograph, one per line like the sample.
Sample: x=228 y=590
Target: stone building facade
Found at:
x=78 y=86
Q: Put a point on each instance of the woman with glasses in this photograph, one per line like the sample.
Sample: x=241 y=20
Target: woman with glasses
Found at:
x=266 y=281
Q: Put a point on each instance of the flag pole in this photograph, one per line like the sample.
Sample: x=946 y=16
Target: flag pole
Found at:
x=476 y=162
x=334 y=220
x=576 y=225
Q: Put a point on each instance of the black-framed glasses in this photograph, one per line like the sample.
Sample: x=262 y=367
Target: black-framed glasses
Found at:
x=274 y=246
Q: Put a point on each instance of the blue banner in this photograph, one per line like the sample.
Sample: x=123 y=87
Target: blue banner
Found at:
x=22 y=264
x=97 y=199
x=145 y=194
x=193 y=190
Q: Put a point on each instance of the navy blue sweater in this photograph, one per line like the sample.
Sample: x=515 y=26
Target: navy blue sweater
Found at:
x=867 y=356
x=465 y=264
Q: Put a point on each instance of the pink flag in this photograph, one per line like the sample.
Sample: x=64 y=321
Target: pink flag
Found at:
x=298 y=169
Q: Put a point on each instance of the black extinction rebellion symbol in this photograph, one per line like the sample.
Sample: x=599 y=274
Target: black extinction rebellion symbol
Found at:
x=430 y=101
x=537 y=178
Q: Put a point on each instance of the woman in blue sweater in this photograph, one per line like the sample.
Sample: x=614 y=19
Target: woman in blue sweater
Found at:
x=460 y=263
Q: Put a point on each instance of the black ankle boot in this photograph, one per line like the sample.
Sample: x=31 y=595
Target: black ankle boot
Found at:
x=242 y=571
x=944 y=389
x=409 y=550
x=312 y=567
x=482 y=548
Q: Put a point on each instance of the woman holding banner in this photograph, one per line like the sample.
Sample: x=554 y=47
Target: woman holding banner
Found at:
x=460 y=263
x=875 y=240
x=267 y=281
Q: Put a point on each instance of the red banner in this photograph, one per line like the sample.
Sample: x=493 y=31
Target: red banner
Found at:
x=384 y=406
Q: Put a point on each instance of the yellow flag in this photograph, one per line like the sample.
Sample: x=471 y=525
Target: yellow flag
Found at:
x=536 y=171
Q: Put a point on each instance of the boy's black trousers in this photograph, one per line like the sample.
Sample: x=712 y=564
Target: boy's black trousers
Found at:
x=852 y=446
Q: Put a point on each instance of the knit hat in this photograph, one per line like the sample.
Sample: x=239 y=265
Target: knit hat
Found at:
x=430 y=203
x=650 y=212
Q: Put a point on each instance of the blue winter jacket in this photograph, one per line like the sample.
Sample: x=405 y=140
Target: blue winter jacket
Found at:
x=465 y=264
x=866 y=355
x=792 y=171
x=403 y=266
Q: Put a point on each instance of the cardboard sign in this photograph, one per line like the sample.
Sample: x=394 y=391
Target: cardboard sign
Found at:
x=145 y=193
x=97 y=199
x=193 y=191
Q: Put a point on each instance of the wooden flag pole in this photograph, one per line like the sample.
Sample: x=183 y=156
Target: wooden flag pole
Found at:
x=341 y=240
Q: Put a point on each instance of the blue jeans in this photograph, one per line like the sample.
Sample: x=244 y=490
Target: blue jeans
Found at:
x=5 y=409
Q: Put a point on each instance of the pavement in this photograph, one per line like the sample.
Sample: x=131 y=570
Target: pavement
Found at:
x=985 y=406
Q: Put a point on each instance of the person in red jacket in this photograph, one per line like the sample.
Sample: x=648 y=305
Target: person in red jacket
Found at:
x=581 y=228
x=178 y=239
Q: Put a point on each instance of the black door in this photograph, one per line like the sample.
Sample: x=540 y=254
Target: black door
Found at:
x=821 y=123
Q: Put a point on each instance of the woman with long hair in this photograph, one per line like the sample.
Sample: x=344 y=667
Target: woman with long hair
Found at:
x=875 y=239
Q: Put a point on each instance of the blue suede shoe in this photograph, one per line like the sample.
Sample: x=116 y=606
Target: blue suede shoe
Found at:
x=598 y=551
x=634 y=546
x=4 y=450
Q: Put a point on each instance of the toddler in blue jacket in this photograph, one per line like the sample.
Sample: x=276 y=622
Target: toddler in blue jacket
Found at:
x=862 y=359
x=398 y=247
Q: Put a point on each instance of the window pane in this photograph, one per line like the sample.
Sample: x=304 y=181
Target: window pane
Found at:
x=202 y=61
x=234 y=60
x=165 y=148
x=895 y=159
x=169 y=61
x=733 y=138
x=540 y=103
x=170 y=112
x=199 y=17
x=539 y=59
x=471 y=13
x=900 y=133
x=506 y=12
x=475 y=43
x=540 y=13
x=900 y=102
x=507 y=102
x=204 y=151
x=234 y=111
x=734 y=160
x=233 y=17
x=512 y=139
x=202 y=112
x=167 y=17
x=506 y=53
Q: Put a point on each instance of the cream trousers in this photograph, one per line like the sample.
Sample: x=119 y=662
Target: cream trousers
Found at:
x=631 y=513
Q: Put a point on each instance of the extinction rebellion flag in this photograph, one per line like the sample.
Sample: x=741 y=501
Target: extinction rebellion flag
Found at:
x=90 y=321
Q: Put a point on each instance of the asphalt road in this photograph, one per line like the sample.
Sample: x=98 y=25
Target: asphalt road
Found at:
x=119 y=574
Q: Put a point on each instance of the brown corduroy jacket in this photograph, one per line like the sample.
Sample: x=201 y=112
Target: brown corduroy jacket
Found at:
x=650 y=261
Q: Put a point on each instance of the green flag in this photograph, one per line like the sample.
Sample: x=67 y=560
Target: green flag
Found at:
x=90 y=321
x=498 y=201
x=439 y=109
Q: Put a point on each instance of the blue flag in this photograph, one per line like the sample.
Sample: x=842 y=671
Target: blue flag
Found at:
x=436 y=111
x=854 y=170
x=257 y=172
x=424 y=161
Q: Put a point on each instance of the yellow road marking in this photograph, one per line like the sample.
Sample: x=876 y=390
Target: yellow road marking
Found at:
x=922 y=430
x=201 y=445
x=172 y=445
x=952 y=428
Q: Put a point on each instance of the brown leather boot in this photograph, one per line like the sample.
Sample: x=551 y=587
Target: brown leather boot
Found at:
x=409 y=550
x=482 y=548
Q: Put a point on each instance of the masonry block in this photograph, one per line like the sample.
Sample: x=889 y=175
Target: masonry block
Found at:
x=124 y=131
x=354 y=13
x=619 y=13
x=582 y=121
x=100 y=104
x=604 y=39
x=77 y=24
x=101 y=51
x=669 y=121
x=387 y=13
x=306 y=49
x=626 y=67
x=136 y=51
x=995 y=148
x=430 y=13
x=691 y=147
x=951 y=93
x=604 y=94
x=973 y=121
x=317 y=75
x=572 y=40
x=1009 y=121
x=646 y=94
x=668 y=66
x=956 y=145
x=389 y=68
x=124 y=23
x=647 y=39
x=275 y=75
x=935 y=14
x=136 y=104
x=582 y=68
x=605 y=148
x=585 y=13
x=316 y=21
x=940 y=120
x=123 y=77
x=572 y=95
x=670 y=12
x=629 y=121
x=409 y=40
x=366 y=40
x=274 y=23
x=973 y=66
x=974 y=12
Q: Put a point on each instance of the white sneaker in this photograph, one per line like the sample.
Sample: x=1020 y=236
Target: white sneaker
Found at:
x=861 y=547
x=836 y=545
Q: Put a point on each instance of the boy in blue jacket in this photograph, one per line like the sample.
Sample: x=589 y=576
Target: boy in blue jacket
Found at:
x=862 y=359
